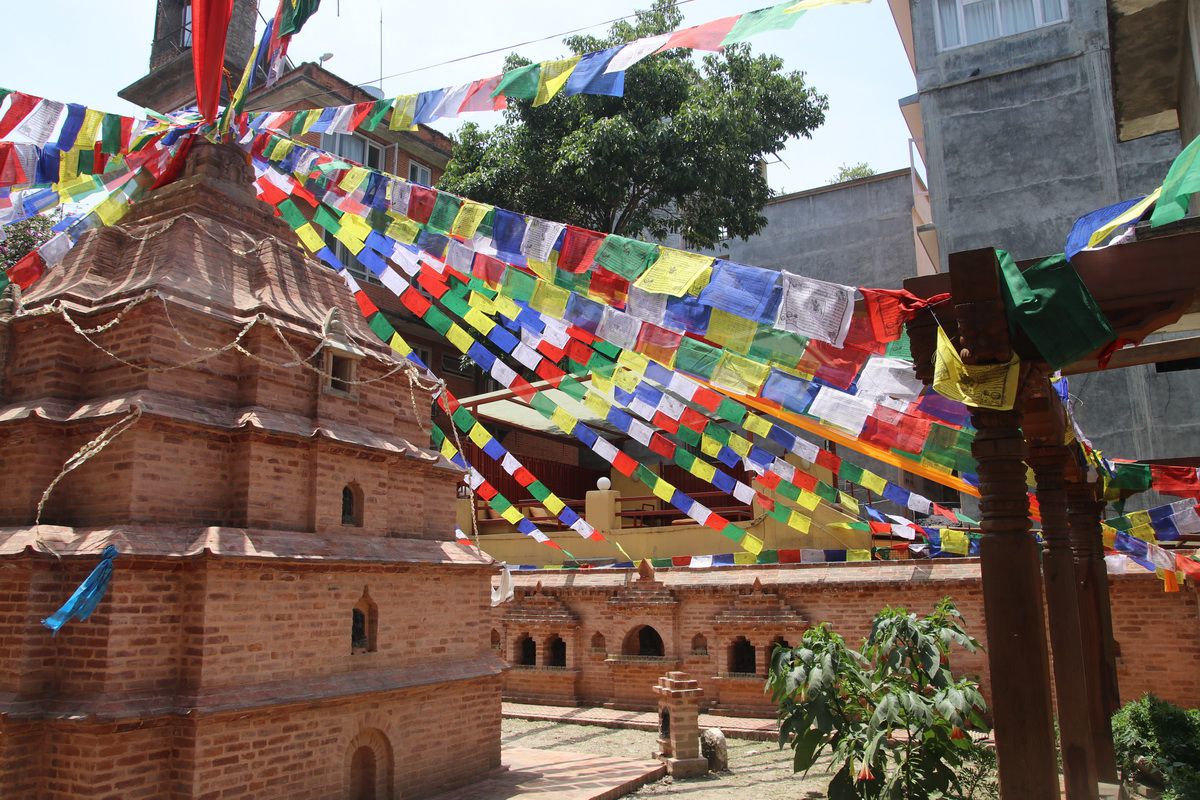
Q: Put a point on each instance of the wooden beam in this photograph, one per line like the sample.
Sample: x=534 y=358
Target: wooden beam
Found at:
x=1155 y=352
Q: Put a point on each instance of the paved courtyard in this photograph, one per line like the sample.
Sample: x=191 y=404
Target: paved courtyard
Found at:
x=756 y=769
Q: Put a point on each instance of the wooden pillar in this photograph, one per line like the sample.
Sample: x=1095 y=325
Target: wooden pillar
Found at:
x=1012 y=582
x=1095 y=614
x=1044 y=429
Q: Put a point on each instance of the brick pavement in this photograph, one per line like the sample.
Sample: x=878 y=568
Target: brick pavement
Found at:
x=559 y=775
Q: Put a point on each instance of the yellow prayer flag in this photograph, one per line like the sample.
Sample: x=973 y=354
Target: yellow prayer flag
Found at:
x=799 y=522
x=873 y=482
x=673 y=272
x=309 y=237
x=478 y=320
x=553 y=504
x=756 y=425
x=404 y=230
x=512 y=514
x=481 y=302
x=751 y=544
x=601 y=383
x=459 y=338
x=954 y=541
x=633 y=361
x=448 y=449
x=1138 y=518
x=479 y=435
x=981 y=386
x=625 y=379
x=404 y=108
x=858 y=555
x=111 y=210
x=1108 y=535
x=310 y=119
x=730 y=331
x=543 y=269
x=550 y=299
x=358 y=227
x=470 y=214
x=738 y=374
x=596 y=404
x=68 y=166
x=808 y=500
x=281 y=149
x=745 y=558
x=663 y=490
x=353 y=178
x=739 y=444
x=709 y=446
x=564 y=421
x=505 y=305
x=552 y=77
x=703 y=470
x=86 y=139
x=346 y=237
x=848 y=502
x=399 y=345
x=1143 y=532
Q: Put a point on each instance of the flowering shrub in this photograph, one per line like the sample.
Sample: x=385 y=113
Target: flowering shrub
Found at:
x=23 y=236
x=892 y=715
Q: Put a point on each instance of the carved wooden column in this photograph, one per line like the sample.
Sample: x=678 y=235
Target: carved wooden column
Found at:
x=1091 y=580
x=1012 y=584
x=1044 y=428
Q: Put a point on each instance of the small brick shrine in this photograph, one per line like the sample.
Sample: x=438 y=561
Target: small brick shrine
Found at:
x=286 y=618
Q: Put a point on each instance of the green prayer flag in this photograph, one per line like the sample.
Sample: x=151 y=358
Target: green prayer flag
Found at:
x=110 y=133
x=298 y=121
x=539 y=490
x=500 y=503
x=696 y=358
x=900 y=348
x=1182 y=181
x=684 y=458
x=444 y=211
x=731 y=410
x=518 y=285
x=768 y=557
x=732 y=531
x=456 y=304
x=435 y=319
x=383 y=329
x=688 y=436
x=295 y=14
x=543 y=404
x=851 y=473
x=753 y=23
x=1054 y=308
x=788 y=491
x=629 y=258
x=611 y=350
x=660 y=562
x=1131 y=477
x=572 y=388
x=644 y=474
x=291 y=214
x=463 y=419
x=520 y=83
x=826 y=492
x=377 y=114
x=782 y=347
x=324 y=218
x=717 y=433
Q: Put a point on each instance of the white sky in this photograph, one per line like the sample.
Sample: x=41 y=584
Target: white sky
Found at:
x=851 y=53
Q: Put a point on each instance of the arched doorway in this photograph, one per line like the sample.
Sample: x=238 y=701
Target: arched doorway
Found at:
x=643 y=641
x=369 y=767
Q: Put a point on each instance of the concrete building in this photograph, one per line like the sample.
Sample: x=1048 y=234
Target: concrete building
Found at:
x=286 y=618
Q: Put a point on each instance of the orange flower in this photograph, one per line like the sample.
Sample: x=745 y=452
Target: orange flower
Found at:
x=864 y=774
x=957 y=733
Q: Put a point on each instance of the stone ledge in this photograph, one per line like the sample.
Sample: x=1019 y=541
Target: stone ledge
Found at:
x=243 y=544
x=240 y=699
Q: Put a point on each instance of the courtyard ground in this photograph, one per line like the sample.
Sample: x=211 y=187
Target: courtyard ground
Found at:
x=756 y=769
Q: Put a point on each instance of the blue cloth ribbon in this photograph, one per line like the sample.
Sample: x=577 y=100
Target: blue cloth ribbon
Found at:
x=83 y=602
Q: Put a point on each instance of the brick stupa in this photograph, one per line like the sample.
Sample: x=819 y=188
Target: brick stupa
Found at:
x=286 y=618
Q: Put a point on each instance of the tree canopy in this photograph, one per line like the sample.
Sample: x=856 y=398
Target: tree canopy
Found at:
x=849 y=172
x=681 y=152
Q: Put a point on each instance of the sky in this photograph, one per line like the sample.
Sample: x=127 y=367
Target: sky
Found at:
x=851 y=53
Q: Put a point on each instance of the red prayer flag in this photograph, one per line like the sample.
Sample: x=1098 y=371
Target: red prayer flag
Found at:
x=27 y=270
x=829 y=461
x=1178 y=481
x=623 y=464
x=364 y=304
x=659 y=444
x=20 y=106
x=10 y=165
x=889 y=309
x=789 y=556
x=420 y=203
x=666 y=423
x=702 y=37
x=210 y=23
x=415 y=302
x=579 y=248
x=607 y=286
x=523 y=476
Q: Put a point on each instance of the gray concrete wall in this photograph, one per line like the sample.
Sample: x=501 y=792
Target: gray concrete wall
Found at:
x=1021 y=141
x=857 y=233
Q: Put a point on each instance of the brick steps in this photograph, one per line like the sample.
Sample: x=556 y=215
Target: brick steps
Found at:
x=753 y=728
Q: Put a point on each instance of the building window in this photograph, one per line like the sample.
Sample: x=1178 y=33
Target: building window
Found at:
x=495 y=640
x=185 y=28
x=352 y=505
x=457 y=365
x=419 y=173
x=340 y=374
x=699 y=645
x=526 y=651
x=742 y=659
x=643 y=641
x=556 y=651
x=964 y=22
x=364 y=625
x=598 y=644
x=355 y=148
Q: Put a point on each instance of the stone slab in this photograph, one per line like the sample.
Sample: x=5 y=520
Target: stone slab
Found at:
x=754 y=728
x=559 y=775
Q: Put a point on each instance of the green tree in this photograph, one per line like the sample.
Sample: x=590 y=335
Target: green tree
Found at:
x=679 y=153
x=849 y=172
x=23 y=236
x=892 y=714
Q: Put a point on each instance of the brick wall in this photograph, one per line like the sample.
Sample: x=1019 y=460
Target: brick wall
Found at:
x=1158 y=634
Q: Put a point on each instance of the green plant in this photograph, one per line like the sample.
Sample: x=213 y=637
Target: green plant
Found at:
x=23 y=236
x=1158 y=744
x=850 y=172
x=892 y=715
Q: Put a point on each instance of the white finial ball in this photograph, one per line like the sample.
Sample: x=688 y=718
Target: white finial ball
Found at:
x=603 y=484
